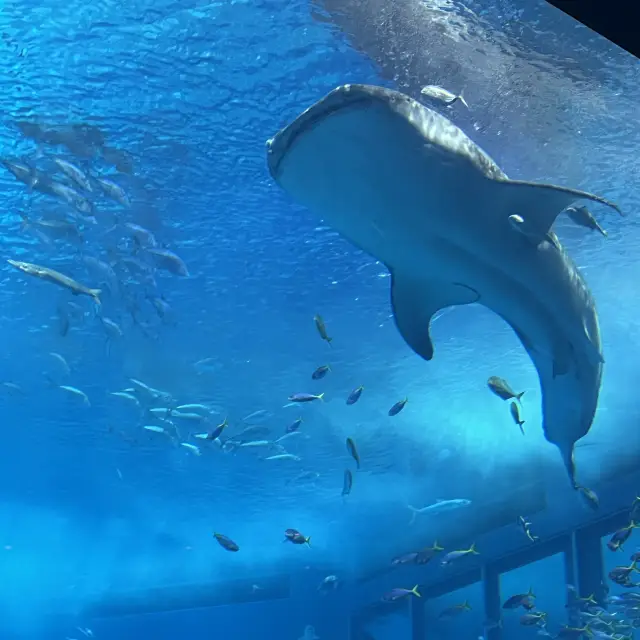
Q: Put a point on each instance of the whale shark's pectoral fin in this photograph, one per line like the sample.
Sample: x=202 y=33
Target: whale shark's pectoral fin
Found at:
x=416 y=300
x=538 y=205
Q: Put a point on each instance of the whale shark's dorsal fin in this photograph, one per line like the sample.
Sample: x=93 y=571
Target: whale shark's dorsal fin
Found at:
x=415 y=302
x=539 y=204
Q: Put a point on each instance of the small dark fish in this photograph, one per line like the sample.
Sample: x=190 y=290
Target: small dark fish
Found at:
x=455 y=610
x=620 y=537
x=304 y=477
x=57 y=278
x=322 y=329
x=294 y=536
x=589 y=497
x=621 y=574
x=635 y=557
x=584 y=218
x=518 y=600
x=321 y=372
x=225 y=542
x=305 y=397
x=588 y=601
x=502 y=389
x=120 y=159
x=347 y=483
x=452 y=556
x=407 y=558
x=396 y=594
x=217 y=432
x=428 y=553
x=294 y=426
x=290 y=533
x=353 y=452
x=354 y=396
x=515 y=414
x=64 y=322
x=398 y=407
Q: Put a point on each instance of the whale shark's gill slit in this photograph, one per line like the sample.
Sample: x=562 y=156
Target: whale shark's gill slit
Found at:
x=415 y=301
x=471 y=290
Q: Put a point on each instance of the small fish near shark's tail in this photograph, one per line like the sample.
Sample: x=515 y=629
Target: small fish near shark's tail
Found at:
x=526 y=200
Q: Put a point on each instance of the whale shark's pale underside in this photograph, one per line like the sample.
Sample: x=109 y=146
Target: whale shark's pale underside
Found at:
x=407 y=186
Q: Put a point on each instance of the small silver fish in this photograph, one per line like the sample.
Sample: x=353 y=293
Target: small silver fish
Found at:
x=63 y=363
x=76 y=392
x=114 y=191
x=256 y=443
x=501 y=388
x=169 y=261
x=190 y=416
x=347 y=483
x=76 y=174
x=197 y=408
x=191 y=447
x=589 y=497
x=438 y=93
x=152 y=427
x=142 y=237
x=284 y=456
x=126 y=395
x=112 y=329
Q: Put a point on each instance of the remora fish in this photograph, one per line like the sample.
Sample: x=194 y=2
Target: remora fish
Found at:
x=386 y=172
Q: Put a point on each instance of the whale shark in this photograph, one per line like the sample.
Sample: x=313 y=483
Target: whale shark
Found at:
x=404 y=184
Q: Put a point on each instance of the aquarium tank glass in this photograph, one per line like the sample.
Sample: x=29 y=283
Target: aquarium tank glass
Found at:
x=319 y=322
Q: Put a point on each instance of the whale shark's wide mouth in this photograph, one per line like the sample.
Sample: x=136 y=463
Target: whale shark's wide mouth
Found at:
x=347 y=96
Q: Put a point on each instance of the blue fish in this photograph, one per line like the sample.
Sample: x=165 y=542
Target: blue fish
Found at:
x=305 y=397
x=294 y=426
x=347 y=483
x=353 y=452
x=398 y=407
x=321 y=372
x=217 y=432
x=226 y=542
x=354 y=396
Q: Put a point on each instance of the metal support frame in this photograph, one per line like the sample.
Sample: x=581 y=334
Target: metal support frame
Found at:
x=418 y=620
x=582 y=552
x=589 y=561
x=492 y=601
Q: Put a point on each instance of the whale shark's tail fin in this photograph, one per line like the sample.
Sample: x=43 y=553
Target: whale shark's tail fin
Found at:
x=539 y=204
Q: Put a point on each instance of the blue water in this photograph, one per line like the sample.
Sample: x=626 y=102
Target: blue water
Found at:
x=92 y=506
